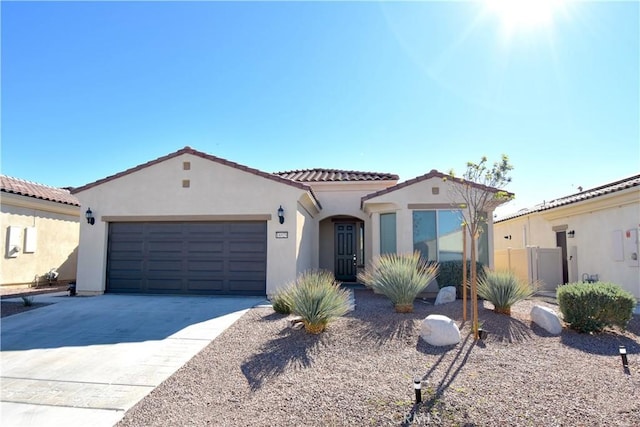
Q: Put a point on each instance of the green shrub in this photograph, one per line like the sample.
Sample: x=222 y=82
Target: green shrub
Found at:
x=590 y=307
x=281 y=301
x=318 y=299
x=503 y=289
x=27 y=301
x=399 y=277
x=451 y=274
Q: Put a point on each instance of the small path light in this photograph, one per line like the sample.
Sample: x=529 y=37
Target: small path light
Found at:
x=623 y=355
x=417 y=385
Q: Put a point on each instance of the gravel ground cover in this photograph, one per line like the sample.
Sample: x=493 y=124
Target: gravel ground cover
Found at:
x=19 y=291
x=9 y=308
x=360 y=372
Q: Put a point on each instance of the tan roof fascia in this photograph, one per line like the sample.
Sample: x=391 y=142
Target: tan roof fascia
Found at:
x=29 y=202
x=309 y=202
x=432 y=174
x=191 y=151
x=370 y=208
x=618 y=199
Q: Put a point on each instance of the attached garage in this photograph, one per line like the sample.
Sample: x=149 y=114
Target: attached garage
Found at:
x=191 y=223
x=211 y=258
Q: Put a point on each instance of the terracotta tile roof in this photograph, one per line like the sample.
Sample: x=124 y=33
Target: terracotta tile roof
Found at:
x=189 y=150
x=335 y=175
x=432 y=174
x=37 y=191
x=592 y=193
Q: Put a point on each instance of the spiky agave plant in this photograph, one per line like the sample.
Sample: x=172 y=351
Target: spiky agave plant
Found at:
x=399 y=277
x=318 y=299
x=503 y=289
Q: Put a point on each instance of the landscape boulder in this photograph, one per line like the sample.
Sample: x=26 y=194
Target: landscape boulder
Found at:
x=446 y=295
x=547 y=319
x=439 y=330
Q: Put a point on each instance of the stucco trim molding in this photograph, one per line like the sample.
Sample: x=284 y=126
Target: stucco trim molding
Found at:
x=184 y=218
x=27 y=202
x=432 y=206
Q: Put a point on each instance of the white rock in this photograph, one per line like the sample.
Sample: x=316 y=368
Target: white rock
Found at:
x=547 y=319
x=293 y=321
x=446 y=295
x=439 y=330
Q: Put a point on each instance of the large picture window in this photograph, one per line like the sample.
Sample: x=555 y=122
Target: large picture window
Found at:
x=438 y=234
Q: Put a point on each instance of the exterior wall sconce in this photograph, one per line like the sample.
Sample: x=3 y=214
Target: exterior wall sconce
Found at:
x=281 y=215
x=571 y=234
x=508 y=237
x=89 y=215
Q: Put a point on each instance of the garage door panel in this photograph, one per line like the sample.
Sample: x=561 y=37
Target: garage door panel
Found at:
x=247 y=228
x=164 y=284
x=246 y=286
x=130 y=228
x=164 y=266
x=163 y=227
x=199 y=258
x=239 y=266
x=211 y=247
x=208 y=228
x=126 y=265
x=206 y=285
x=128 y=245
x=247 y=247
x=126 y=284
x=205 y=266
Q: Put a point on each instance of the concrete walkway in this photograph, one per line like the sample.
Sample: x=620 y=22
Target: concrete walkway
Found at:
x=84 y=361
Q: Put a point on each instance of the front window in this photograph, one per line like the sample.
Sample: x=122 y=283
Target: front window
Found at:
x=438 y=234
x=388 y=233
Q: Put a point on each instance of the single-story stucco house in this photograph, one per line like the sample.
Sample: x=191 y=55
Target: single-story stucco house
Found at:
x=596 y=231
x=41 y=226
x=190 y=222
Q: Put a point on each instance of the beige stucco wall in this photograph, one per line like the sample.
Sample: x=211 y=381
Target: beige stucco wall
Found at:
x=215 y=191
x=307 y=238
x=594 y=222
x=57 y=229
x=417 y=196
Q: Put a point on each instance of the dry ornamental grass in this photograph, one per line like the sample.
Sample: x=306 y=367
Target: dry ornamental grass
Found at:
x=360 y=372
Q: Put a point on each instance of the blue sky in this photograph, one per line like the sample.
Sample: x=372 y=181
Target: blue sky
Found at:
x=92 y=88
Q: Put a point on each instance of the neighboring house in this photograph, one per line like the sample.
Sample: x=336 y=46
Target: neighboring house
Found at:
x=595 y=231
x=41 y=227
x=190 y=222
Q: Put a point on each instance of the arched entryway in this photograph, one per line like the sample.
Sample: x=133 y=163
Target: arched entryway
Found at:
x=342 y=247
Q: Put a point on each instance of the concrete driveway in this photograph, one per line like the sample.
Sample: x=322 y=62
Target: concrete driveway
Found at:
x=84 y=361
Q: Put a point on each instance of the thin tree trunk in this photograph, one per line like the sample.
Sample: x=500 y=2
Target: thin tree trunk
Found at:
x=464 y=273
x=474 y=286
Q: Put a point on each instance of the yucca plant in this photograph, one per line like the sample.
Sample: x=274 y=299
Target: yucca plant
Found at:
x=503 y=289
x=318 y=299
x=399 y=277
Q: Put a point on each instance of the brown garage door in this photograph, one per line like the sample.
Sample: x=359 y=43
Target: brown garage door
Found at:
x=227 y=258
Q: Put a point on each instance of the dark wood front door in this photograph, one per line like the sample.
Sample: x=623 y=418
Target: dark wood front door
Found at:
x=345 y=252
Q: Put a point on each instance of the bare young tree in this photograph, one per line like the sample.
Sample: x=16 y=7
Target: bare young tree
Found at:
x=480 y=190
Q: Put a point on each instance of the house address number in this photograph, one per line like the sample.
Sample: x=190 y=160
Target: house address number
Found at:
x=282 y=234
